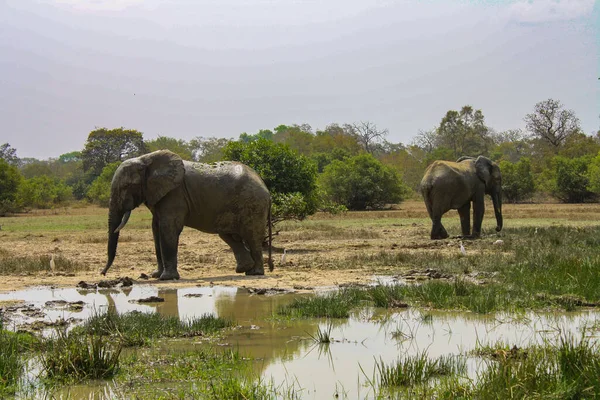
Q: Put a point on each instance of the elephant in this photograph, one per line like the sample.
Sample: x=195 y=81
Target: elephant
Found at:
x=225 y=198
x=450 y=185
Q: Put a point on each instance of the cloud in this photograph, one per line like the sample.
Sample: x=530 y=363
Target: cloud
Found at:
x=536 y=11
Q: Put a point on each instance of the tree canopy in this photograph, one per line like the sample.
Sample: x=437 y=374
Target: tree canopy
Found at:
x=105 y=146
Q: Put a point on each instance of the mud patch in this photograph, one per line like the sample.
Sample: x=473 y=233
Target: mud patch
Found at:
x=124 y=282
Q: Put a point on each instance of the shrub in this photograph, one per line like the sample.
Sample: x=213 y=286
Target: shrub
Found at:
x=43 y=192
x=571 y=179
x=99 y=191
x=10 y=180
x=362 y=182
x=517 y=180
x=290 y=177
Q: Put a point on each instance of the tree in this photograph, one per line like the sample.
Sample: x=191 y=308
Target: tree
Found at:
x=368 y=135
x=551 y=122
x=335 y=137
x=510 y=145
x=208 y=150
x=570 y=179
x=105 y=146
x=10 y=181
x=426 y=140
x=517 y=180
x=99 y=191
x=9 y=154
x=290 y=177
x=43 y=192
x=361 y=182
x=297 y=137
x=464 y=132
x=262 y=134
x=177 y=146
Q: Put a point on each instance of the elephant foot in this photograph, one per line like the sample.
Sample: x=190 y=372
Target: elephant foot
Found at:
x=241 y=268
x=255 y=272
x=168 y=276
x=156 y=274
x=467 y=237
x=438 y=236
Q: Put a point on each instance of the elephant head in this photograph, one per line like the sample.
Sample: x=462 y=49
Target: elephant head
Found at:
x=489 y=173
x=145 y=179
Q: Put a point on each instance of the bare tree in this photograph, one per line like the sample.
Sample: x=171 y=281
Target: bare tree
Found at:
x=551 y=122
x=426 y=140
x=368 y=135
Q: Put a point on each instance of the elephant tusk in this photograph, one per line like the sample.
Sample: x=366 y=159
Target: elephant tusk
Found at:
x=123 y=221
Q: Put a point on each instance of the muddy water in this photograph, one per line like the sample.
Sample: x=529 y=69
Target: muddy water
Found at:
x=287 y=355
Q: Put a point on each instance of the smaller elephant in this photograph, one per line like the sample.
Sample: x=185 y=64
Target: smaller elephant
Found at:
x=226 y=198
x=450 y=185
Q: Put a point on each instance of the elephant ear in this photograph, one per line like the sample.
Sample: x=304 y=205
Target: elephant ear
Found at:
x=483 y=166
x=463 y=158
x=164 y=172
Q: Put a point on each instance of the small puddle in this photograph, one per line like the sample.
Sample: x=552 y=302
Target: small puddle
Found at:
x=284 y=349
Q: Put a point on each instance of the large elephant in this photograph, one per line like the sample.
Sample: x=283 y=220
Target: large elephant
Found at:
x=450 y=185
x=226 y=198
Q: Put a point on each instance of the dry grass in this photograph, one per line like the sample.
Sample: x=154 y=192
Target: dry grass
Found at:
x=322 y=250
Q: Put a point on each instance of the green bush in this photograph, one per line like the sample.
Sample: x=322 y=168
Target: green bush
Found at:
x=10 y=181
x=99 y=191
x=594 y=175
x=571 y=179
x=43 y=192
x=290 y=177
x=517 y=180
x=362 y=182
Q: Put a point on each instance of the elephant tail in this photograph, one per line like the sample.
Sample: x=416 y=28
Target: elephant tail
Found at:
x=270 y=262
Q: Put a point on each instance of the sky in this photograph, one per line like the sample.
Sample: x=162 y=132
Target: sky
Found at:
x=188 y=68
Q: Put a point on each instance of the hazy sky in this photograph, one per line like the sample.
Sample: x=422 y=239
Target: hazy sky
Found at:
x=187 y=68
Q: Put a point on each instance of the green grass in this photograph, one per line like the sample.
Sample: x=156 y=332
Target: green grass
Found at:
x=557 y=268
x=201 y=373
x=136 y=328
x=73 y=357
x=418 y=370
x=323 y=336
x=337 y=304
x=10 y=265
x=13 y=347
x=569 y=370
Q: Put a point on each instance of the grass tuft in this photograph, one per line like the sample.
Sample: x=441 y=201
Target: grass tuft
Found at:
x=76 y=357
x=14 y=265
x=137 y=328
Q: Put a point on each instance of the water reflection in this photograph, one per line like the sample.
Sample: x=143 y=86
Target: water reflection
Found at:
x=284 y=349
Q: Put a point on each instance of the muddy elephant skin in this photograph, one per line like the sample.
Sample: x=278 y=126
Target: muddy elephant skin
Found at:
x=225 y=198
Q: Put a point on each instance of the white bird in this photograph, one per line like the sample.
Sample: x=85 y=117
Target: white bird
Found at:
x=52 y=264
x=535 y=232
x=462 y=249
x=499 y=242
x=282 y=262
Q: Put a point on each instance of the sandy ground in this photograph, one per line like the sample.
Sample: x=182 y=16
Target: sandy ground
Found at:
x=319 y=252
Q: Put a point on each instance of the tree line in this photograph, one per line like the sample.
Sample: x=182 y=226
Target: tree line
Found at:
x=343 y=166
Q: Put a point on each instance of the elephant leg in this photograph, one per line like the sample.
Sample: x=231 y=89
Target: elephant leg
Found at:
x=156 y=234
x=465 y=219
x=478 y=211
x=169 y=233
x=242 y=256
x=255 y=245
x=437 y=229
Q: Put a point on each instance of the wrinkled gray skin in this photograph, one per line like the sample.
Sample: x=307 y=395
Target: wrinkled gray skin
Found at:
x=450 y=185
x=226 y=198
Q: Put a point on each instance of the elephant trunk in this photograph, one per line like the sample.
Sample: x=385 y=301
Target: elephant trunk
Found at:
x=116 y=221
x=497 y=200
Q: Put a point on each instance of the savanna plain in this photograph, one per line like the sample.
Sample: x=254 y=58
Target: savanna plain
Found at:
x=362 y=305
